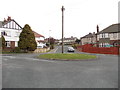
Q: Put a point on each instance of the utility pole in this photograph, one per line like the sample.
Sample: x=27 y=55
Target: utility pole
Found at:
x=62 y=27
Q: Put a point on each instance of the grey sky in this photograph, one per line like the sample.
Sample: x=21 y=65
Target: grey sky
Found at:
x=81 y=16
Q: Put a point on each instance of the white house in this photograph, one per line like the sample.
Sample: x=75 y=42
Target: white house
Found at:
x=68 y=41
x=11 y=30
x=40 y=40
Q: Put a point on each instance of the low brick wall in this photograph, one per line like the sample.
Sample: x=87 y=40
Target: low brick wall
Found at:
x=41 y=50
x=99 y=50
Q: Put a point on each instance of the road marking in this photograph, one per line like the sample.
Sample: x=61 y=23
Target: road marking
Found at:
x=56 y=49
x=5 y=59
x=36 y=59
x=9 y=57
x=33 y=59
x=43 y=60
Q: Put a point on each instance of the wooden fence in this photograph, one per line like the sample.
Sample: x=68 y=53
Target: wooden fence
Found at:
x=101 y=50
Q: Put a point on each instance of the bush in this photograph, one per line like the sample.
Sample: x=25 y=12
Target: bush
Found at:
x=52 y=46
x=27 y=40
x=47 y=44
x=75 y=46
x=16 y=50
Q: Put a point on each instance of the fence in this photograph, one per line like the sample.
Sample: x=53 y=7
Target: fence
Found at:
x=101 y=50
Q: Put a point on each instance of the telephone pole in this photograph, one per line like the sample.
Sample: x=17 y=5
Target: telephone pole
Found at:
x=62 y=27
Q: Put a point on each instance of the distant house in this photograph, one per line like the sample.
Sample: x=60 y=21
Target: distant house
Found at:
x=57 y=41
x=50 y=40
x=109 y=36
x=68 y=41
x=40 y=40
x=88 y=39
x=11 y=30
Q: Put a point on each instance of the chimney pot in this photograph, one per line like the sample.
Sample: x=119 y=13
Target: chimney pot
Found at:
x=97 y=28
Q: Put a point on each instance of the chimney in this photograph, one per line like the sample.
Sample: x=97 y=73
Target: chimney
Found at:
x=97 y=28
x=5 y=20
x=94 y=33
x=9 y=18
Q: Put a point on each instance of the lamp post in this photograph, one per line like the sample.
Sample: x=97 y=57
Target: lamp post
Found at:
x=62 y=27
x=49 y=36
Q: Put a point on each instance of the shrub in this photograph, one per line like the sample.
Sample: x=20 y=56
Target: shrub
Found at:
x=75 y=45
x=16 y=50
x=27 y=39
x=52 y=46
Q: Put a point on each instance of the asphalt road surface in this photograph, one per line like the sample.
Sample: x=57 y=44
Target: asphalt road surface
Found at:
x=27 y=71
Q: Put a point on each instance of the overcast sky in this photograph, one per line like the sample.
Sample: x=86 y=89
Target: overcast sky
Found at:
x=80 y=16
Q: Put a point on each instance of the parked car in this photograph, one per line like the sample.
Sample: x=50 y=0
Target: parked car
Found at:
x=71 y=49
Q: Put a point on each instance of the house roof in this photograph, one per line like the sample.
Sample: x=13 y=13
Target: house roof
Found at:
x=111 y=29
x=2 y=23
x=88 y=35
x=37 y=35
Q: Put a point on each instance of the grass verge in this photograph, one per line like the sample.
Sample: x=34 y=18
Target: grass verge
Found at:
x=69 y=56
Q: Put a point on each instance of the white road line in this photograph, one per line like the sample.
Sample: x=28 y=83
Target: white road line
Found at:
x=43 y=60
x=9 y=56
x=47 y=61
x=56 y=49
x=32 y=59
x=5 y=59
x=36 y=60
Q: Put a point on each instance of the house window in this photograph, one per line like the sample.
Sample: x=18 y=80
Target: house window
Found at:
x=106 y=35
x=101 y=36
x=17 y=34
x=3 y=33
x=7 y=43
x=8 y=33
x=114 y=36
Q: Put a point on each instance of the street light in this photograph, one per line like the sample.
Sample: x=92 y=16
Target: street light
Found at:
x=49 y=36
x=62 y=26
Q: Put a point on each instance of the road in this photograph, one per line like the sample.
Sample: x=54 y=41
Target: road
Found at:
x=26 y=71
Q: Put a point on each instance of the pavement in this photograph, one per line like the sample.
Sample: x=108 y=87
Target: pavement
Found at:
x=27 y=71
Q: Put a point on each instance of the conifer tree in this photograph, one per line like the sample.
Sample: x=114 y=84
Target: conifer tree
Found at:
x=2 y=42
x=27 y=39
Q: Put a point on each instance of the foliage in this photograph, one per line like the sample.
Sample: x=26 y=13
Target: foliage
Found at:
x=47 y=44
x=2 y=42
x=27 y=39
x=77 y=41
x=52 y=46
x=51 y=41
x=16 y=50
x=75 y=46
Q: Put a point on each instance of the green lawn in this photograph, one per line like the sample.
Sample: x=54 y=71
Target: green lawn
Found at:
x=69 y=56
